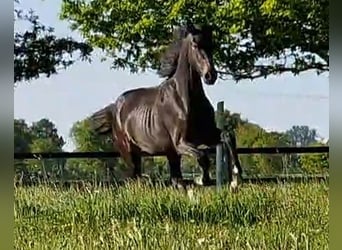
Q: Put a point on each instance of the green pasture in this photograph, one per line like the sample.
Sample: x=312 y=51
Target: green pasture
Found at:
x=139 y=216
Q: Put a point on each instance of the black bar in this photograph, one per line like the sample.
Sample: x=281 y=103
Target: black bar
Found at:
x=284 y=150
x=263 y=150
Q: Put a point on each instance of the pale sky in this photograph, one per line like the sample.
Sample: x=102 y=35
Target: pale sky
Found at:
x=277 y=103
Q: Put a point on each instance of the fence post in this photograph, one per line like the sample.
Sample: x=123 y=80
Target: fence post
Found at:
x=219 y=147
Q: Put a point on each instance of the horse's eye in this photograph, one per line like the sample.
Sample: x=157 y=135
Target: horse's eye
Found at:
x=194 y=45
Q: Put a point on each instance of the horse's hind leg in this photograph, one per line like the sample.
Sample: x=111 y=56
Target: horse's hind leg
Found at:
x=129 y=153
x=136 y=160
x=132 y=161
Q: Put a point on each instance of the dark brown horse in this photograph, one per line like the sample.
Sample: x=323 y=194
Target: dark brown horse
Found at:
x=174 y=117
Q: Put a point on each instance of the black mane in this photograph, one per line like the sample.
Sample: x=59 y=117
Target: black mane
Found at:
x=168 y=60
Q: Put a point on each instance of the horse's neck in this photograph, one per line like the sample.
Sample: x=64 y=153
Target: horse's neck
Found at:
x=182 y=78
x=188 y=82
x=196 y=90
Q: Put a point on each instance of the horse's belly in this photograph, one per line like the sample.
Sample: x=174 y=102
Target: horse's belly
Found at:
x=152 y=144
x=151 y=140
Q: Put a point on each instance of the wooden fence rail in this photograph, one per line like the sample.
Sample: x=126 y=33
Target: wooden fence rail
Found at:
x=256 y=150
x=250 y=179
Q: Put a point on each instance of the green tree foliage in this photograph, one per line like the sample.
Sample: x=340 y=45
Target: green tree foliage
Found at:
x=22 y=136
x=41 y=136
x=299 y=136
x=252 y=38
x=45 y=130
x=45 y=138
x=252 y=135
x=22 y=142
x=38 y=51
x=315 y=163
x=86 y=140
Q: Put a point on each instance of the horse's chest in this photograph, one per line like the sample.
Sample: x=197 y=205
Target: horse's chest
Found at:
x=201 y=126
x=201 y=115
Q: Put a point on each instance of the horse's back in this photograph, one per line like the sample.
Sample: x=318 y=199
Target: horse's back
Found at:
x=139 y=95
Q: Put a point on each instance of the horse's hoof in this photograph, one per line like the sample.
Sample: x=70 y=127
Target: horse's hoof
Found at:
x=204 y=181
x=233 y=188
x=198 y=181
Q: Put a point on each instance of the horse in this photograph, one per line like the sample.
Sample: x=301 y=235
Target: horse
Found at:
x=174 y=117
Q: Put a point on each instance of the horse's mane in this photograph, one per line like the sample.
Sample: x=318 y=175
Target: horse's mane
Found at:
x=168 y=60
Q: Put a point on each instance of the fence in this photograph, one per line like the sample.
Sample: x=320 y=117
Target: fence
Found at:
x=256 y=150
x=218 y=151
x=96 y=155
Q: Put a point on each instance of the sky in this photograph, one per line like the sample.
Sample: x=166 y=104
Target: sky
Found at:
x=276 y=103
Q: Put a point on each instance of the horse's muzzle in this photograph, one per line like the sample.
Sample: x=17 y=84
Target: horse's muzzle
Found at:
x=210 y=77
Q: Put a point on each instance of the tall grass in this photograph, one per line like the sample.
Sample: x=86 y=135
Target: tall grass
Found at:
x=290 y=216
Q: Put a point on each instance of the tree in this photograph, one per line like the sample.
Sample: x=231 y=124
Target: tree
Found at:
x=38 y=51
x=269 y=164
x=86 y=140
x=232 y=120
x=45 y=138
x=315 y=163
x=41 y=136
x=252 y=135
x=22 y=136
x=22 y=142
x=252 y=38
x=301 y=136
x=44 y=129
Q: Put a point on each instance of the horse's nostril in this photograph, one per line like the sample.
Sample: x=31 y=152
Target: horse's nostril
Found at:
x=207 y=76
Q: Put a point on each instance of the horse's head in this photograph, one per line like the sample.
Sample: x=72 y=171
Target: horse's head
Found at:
x=200 y=52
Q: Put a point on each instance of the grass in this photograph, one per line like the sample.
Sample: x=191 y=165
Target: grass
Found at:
x=290 y=216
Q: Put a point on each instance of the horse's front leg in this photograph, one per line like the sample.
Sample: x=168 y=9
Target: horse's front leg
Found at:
x=176 y=177
x=204 y=163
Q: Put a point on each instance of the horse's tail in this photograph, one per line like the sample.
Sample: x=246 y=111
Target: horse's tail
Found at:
x=102 y=120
